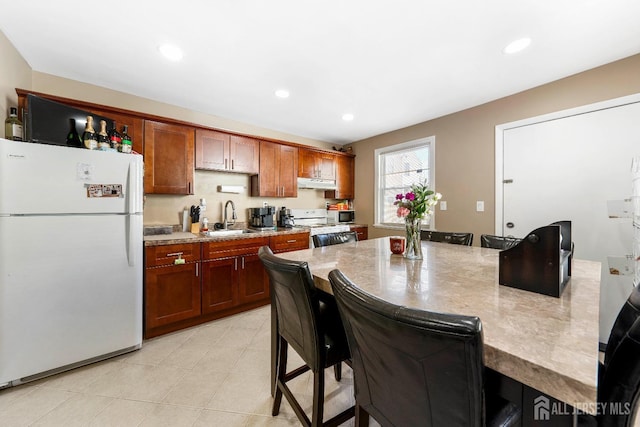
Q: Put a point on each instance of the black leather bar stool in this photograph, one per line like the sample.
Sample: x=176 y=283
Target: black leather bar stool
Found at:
x=498 y=242
x=619 y=375
x=414 y=367
x=308 y=321
x=329 y=239
x=465 y=239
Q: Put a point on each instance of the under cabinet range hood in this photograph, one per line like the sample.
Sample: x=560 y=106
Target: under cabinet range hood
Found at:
x=316 y=183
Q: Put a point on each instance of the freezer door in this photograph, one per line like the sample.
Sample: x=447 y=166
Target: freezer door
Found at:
x=70 y=290
x=50 y=179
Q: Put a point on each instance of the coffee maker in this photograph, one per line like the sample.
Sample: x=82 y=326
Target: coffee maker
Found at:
x=285 y=219
x=262 y=218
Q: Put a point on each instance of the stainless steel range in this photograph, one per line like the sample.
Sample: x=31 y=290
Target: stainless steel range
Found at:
x=316 y=221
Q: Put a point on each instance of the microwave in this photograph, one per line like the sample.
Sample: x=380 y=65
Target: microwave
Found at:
x=345 y=216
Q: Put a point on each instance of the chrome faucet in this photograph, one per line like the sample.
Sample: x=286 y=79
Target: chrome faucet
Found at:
x=225 y=223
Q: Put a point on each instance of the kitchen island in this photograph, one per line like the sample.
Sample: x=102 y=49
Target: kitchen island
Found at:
x=548 y=344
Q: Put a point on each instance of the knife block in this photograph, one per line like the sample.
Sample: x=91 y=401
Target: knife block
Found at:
x=539 y=263
x=195 y=228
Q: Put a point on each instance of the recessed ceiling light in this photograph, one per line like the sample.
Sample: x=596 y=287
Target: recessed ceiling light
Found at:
x=517 y=45
x=171 y=52
x=347 y=117
x=282 y=93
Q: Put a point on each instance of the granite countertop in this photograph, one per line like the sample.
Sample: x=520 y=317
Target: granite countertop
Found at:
x=178 y=237
x=550 y=344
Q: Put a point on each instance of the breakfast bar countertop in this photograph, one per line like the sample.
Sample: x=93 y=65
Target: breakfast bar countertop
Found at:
x=548 y=343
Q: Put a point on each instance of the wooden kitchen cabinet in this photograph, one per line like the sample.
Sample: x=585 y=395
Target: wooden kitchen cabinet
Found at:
x=345 y=176
x=361 y=231
x=278 y=175
x=135 y=127
x=316 y=164
x=225 y=152
x=232 y=274
x=289 y=242
x=168 y=158
x=172 y=291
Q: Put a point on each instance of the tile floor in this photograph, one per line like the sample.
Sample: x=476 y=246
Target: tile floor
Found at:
x=216 y=374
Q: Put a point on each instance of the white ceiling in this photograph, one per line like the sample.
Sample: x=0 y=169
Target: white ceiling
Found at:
x=390 y=63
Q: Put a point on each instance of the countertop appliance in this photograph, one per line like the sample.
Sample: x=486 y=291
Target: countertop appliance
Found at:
x=316 y=221
x=285 y=218
x=262 y=218
x=70 y=258
x=342 y=215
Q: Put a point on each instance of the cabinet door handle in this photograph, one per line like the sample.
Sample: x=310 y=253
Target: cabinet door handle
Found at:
x=175 y=254
x=291 y=241
x=235 y=264
x=225 y=163
x=243 y=263
x=197 y=269
x=232 y=165
x=283 y=191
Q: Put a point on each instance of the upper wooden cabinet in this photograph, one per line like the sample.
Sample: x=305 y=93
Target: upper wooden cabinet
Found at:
x=278 y=171
x=345 y=174
x=168 y=158
x=134 y=124
x=224 y=152
x=316 y=164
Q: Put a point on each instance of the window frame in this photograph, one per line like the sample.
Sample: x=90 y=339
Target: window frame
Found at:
x=378 y=154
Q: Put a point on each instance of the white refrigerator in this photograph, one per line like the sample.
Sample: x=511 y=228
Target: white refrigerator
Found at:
x=70 y=258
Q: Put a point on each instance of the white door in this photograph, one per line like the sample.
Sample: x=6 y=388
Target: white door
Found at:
x=567 y=168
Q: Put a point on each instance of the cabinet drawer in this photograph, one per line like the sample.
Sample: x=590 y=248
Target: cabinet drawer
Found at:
x=167 y=254
x=290 y=242
x=231 y=248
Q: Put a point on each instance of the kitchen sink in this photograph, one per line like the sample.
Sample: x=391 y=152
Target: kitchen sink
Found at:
x=222 y=233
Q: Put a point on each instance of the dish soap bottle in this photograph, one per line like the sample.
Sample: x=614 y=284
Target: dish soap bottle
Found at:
x=13 y=126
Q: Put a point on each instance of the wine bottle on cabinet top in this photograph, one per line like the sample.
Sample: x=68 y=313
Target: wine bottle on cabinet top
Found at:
x=73 y=139
x=13 y=126
x=126 y=140
x=89 y=135
x=115 y=140
x=103 y=138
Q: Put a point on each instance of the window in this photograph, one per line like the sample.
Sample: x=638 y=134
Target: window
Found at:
x=397 y=168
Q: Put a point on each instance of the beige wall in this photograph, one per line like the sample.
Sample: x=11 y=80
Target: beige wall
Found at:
x=167 y=209
x=14 y=72
x=465 y=144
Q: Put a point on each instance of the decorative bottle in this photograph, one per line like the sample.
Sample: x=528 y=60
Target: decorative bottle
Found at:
x=73 y=139
x=89 y=135
x=115 y=140
x=103 y=138
x=126 y=140
x=13 y=126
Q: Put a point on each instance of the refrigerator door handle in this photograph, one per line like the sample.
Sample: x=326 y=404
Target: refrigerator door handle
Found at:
x=134 y=188
x=132 y=235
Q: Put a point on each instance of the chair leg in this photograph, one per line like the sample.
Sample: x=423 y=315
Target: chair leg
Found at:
x=318 y=399
x=362 y=417
x=337 y=371
x=280 y=374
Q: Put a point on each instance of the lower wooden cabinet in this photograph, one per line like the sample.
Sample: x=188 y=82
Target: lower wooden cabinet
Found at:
x=172 y=291
x=362 y=231
x=218 y=278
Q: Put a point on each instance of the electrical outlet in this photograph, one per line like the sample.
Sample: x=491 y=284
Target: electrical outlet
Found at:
x=480 y=206
x=443 y=205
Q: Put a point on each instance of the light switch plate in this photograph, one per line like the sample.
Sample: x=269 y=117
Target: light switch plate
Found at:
x=480 y=206
x=443 y=205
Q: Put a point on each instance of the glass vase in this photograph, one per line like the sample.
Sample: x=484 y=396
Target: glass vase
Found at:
x=414 y=247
